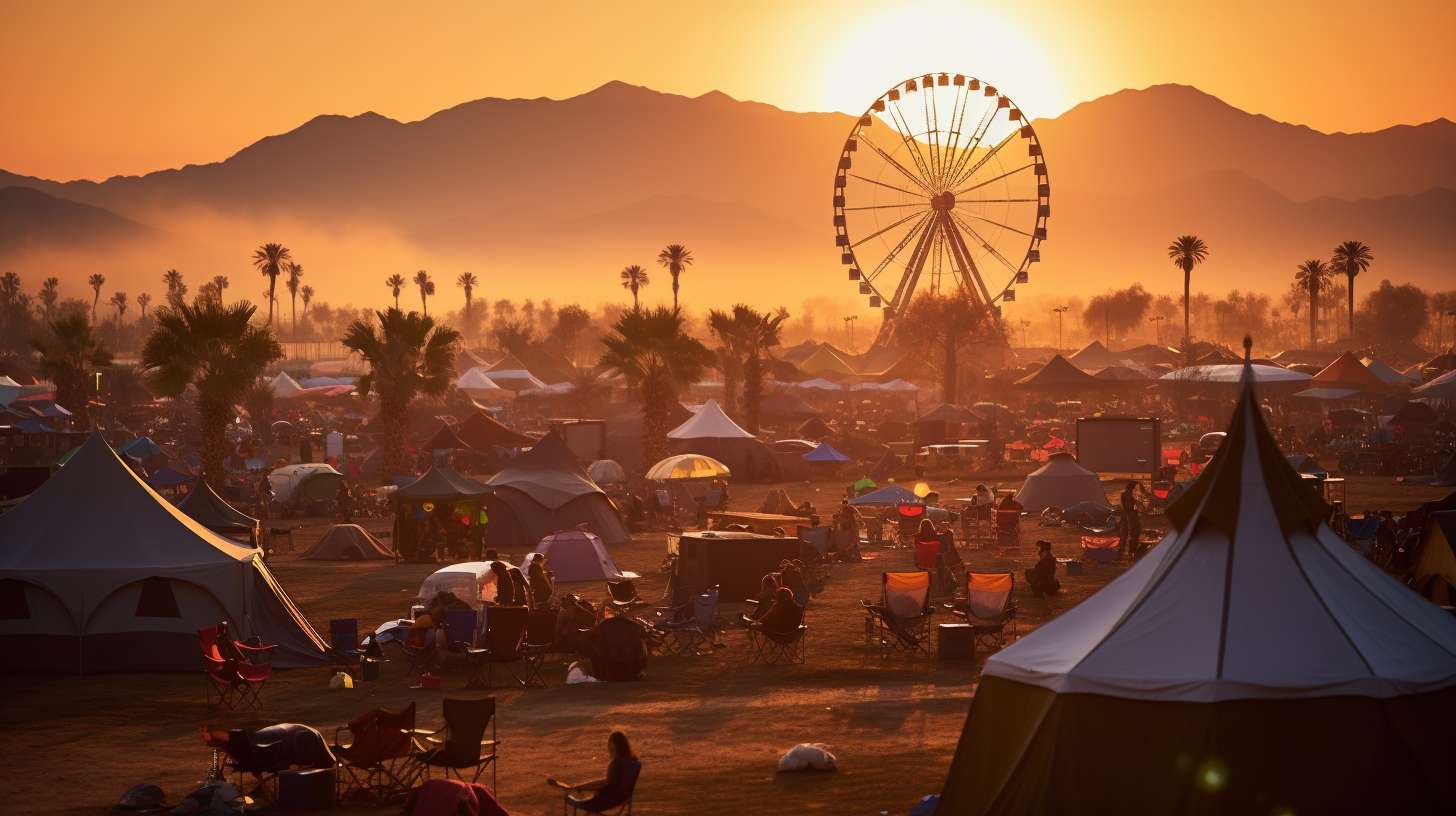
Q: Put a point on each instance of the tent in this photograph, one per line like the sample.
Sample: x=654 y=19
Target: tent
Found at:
x=826 y=361
x=212 y=511
x=347 y=542
x=575 y=556
x=509 y=372
x=477 y=379
x=483 y=432
x=1252 y=662
x=786 y=405
x=1061 y=482
x=471 y=581
x=1348 y=372
x=887 y=496
x=284 y=386
x=1231 y=374
x=1058 y=375
x=825 y=453
x=710 y=432
x=98 y=573
x=445 y=439
x=606 y=471
x=1093 y=355
x=441 y=484
x=305 y=482
x=165 y=477
x=1435 y=571
x=1442 y=387
x=544 y=490
x=814 y=428
x=141 y=448
x=1387 y=374
x=1123 y=373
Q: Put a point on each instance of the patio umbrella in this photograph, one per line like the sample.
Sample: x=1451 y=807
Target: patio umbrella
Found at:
x=687 y=466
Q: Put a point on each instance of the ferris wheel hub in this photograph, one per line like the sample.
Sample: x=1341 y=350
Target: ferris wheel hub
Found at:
x=943 y=202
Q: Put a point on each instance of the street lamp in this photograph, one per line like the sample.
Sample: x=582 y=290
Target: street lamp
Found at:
x=1158 y=327
x=1060 y=310
x=849 y=327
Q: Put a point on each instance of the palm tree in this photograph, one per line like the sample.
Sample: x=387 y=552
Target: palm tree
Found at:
x=143 y=301
x=729 y=333
x=1187 y=252
x=634 y=278
x=219 y=284
x=269 y=259
x=50 y=295
x=9 y=288
x=408 y=355
x=676 y=258
x=96 y=281
x=1351 y=258
x=305 y=293
x=396 y=283
x=761 y=332
x=176 y=289
x=468 y=282
x=68 y=351
x=119 y=301
x=427 y=288
x=295 y=275
x=658 y=359
x=217 y=349
x=1312 y=278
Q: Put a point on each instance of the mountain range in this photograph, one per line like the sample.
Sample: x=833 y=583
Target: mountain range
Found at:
x=583 y=186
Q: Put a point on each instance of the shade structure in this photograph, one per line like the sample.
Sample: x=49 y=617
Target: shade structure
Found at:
x=142 y=448
x=575 y=556
x=1327 y=394
x=1387 y=374
x=1061 y=482
x=826 y=361
x=98 y=573
x=1123 y=373
x=1057 y=376
x=685 y=466
x=477 y=379
x=825 y=453
x=1348 y=372
x=1093 y=355
x=819 y=384
x=212 y=511
x=284 y=386
x=711 y=433
x=347 y=542
x=1231 y=375
x=1252 y=662
x=441 y=484
x=1442 y=387
x=544 y=490
x=510 y=373
x=445 y=439
x=483 y=432
x=887 y=496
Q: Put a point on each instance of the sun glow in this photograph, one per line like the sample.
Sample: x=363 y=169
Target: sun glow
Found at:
x=875 y=51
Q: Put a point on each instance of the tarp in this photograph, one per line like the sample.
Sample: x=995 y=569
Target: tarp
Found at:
x=575 y=556
x=825 y=452
x=1061 y=482
x=94 y=548
x=347 y=542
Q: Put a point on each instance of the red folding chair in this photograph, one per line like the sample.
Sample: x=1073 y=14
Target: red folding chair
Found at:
x=232 y=681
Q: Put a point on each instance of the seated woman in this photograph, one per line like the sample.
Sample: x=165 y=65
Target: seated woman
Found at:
x=613 y=791
x=539 y=580
x=767 y=589
x=792 y=578
x=1042 y=578
x=427 y=631
x=275 y=748
x=505 y=585
x=783 y=615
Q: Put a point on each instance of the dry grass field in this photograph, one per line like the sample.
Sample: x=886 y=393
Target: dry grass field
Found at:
x=710 y=729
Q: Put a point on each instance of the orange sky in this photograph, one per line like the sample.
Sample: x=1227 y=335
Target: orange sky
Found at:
x=92 y=89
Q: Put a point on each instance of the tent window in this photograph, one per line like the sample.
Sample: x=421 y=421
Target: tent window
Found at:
x=157 y=600
x=13 y=605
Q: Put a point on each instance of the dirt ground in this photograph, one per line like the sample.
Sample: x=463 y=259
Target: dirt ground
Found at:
x=709 y=729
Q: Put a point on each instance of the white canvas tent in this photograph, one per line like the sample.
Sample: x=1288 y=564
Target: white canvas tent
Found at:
x=1253 y=657
x=284 y=386
x=1061 y=482
x=477 y=379
x=98 y=573
x=711 y=432
x=709 y=423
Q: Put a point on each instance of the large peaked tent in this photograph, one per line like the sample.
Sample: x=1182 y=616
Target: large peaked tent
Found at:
x=1348 y=372
x=212 y=511
x=1435 y=570
x=98 y=573
x=1058 y=376
x=1061 y=482
x=483 y=432
x=711 y=432
x=1252 y=662
x=542 y=491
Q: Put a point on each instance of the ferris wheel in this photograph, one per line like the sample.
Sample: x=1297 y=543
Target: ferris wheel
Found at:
x=941 y=186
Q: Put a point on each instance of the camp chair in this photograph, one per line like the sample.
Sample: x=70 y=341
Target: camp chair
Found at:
x=990 y=606
x=505 y=645
x=926 y=552
x=231 y=683
x=687 y=637
x=461 y=744
x=908 y=518
x=901 y=619
x=1101 y=549
x=571 y=807
x=776 y=647
x=460 y=629
x=622 y=596
x=374 y=764
x=1008 y=528
x=344 y=641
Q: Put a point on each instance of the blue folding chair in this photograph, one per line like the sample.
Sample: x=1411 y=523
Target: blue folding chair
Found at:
x=344 y=640
x=460 y=629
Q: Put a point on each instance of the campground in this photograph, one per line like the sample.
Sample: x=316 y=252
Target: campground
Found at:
x=709 y=728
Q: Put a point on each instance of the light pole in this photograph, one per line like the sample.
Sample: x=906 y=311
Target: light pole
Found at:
x=1158 y=327
x=1060 y=310
x=849 y=327
x=1024 y=325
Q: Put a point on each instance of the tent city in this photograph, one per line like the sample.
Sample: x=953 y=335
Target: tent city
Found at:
x=927 y=408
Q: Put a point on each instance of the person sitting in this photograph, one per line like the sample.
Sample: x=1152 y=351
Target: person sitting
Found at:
x=613 y=791
x=427 y=630
x=1042 y=578
x=521 y=588
x=783 y=615
x=505 y=584
x=573 y=617
x=539 y=579
x=792 y=576
x=616 y=647
x=767 y=589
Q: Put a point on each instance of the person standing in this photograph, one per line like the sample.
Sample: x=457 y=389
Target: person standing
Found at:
x=1131 y=525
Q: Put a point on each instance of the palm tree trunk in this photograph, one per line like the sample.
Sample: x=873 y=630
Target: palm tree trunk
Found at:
x=752 y=392
x=391 y=422
x=1313 y=317
x=674 y=289
x=295 y=315
x=272 y=296
x=730 y=388
x=424 y=303
x=655 y=398
x=1350 y=302
x=636 y=305
x=214 y=416
x=1187 y=286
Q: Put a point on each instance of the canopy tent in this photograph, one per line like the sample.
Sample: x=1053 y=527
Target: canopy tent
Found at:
x=1327 y=394
x=826 y=361
x=946 y=412
x=465 y=359
x=445 y=439
x=1061 y=482
x=165 y=477
x=1348 y=372
x=1264 y=663
x=1093 y=355
x=1387 y=374
x=203 y=505
x=141 y=448
x=509 y=372
x=441 y=484
x=685 y=466
x=98 y=573
x=814 y=428
x=819 y=384
x=544 y=490
x=1442 y=387
x=711 y=432
x=575 y=556
x=1232 y=374
x=1123 y=373
x=305 y=482
x=887 y=496
x=895 y=386
x=477 y=379
x=825 y=453
x=284 y=386
x=483 y=432
x=1057 y=375
x=347 y=542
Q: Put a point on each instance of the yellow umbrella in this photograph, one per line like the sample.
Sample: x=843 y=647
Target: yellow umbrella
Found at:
x=687 y=466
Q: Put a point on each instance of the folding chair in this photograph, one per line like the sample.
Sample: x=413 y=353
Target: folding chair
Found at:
x=1008 y=528
x=777 y=647
x=374 y=765
x=900 y=622
x=344 y=641
x=461 y=744
x=505 y=645
x=622 y=596
x=687 y=637
x=990 y=606
x=231 y=682
x=460 y=628
x=570 y=806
